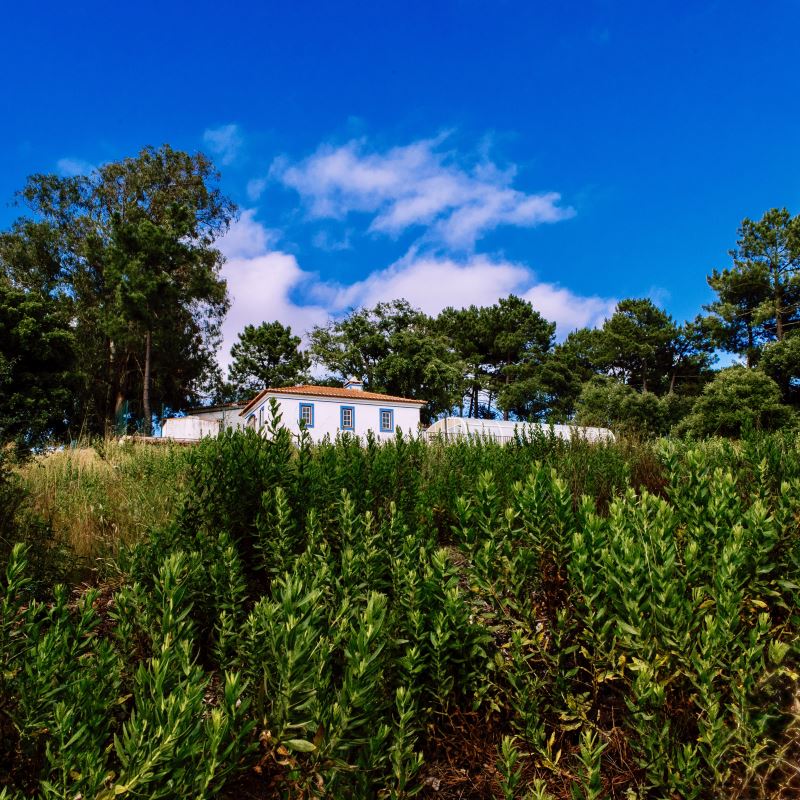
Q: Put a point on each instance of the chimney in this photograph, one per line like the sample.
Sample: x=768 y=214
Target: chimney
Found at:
x=354 y=383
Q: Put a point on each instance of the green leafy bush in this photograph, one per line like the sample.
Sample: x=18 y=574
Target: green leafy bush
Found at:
x=359 y=619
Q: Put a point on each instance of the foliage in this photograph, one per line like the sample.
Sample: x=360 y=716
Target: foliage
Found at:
x=759 y=295
x=606 y=402
x=501 y=346
x=315 y=620
x=266 y=355
x=37 y=368
x=738 y=400
x=395 y=349
x=781 y=361
x=128 y=252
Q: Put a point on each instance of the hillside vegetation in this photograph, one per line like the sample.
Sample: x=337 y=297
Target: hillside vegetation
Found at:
x=544 y=619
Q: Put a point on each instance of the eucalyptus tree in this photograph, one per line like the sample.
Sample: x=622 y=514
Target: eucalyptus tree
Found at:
x=130 y=248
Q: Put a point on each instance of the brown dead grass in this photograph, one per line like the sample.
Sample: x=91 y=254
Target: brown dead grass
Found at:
x=99 y=497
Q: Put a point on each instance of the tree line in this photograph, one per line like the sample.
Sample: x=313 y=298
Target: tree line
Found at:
x=112 y=300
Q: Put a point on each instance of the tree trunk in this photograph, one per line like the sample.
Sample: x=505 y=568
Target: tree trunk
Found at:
x=508 y=380
x=146 y=387
x=108 y=421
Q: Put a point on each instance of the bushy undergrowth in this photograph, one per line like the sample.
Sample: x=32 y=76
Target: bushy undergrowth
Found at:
x=544 y=619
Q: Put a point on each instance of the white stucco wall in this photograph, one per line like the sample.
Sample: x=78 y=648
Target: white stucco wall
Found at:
x=228 y=418
x=327 y=415
x=188 y=428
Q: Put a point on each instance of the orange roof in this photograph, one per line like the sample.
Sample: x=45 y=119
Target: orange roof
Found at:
x=328 y=391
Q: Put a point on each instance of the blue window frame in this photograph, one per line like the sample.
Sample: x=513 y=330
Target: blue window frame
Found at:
x=307 y=414
x=347 y=418
x=386 y=416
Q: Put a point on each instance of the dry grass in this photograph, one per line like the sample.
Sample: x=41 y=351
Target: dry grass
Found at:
x=99 y=496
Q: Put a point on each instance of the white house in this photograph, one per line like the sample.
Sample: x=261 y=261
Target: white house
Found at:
x=327 y=410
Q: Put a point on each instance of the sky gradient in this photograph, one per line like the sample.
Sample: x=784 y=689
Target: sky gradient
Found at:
x=447 y=152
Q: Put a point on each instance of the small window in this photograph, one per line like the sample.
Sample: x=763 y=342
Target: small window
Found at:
x=261 y=417
x=387 y=420
x=347 y=418
x=307 y=414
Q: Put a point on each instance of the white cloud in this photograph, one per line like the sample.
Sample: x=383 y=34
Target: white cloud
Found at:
x=255 y=187
x=324 y=240
x=266 y=284
x=224 y=142
x=247 y=238
x=416 y=185
x=260 y=287
x=71 y=167
x=432 y=283
x=569 y=310
x=659 y=295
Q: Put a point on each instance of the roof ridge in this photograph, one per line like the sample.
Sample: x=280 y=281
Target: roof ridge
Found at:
x=310 y=389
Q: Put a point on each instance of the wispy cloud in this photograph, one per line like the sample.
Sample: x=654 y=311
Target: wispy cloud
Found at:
x=420 y=185
x=325 y=240
x=70 y=167
x=224 y=142
x=255 y=188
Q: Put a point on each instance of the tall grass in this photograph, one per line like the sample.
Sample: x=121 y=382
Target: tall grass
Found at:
x=98 y=497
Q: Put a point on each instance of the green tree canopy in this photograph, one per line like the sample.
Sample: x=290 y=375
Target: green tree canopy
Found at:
x=266 y=355
x=37 y=361
x=394 y=348
x=129 y=248
x=758 y=297
x=634 y=344
x=738 y=399
x=503 y=346
x=607 y=402
x=781 y=361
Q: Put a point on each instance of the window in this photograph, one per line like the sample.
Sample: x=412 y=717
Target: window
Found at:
x=347 y=418
x=251 y=422
x=261 y=417
x=387 y=420
x=307 y=414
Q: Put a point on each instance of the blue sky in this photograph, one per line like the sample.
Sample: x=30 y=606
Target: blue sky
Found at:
x=451 y=152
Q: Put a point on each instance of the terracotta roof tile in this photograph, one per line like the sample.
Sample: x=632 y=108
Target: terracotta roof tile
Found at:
x=329 y=391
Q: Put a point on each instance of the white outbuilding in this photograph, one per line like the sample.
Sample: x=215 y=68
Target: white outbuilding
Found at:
x=329 y=410
x=202 y=421
x=506 y=430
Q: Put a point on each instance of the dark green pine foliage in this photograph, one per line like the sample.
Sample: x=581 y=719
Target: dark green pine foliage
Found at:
x=38 y=369
x=266 y=355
